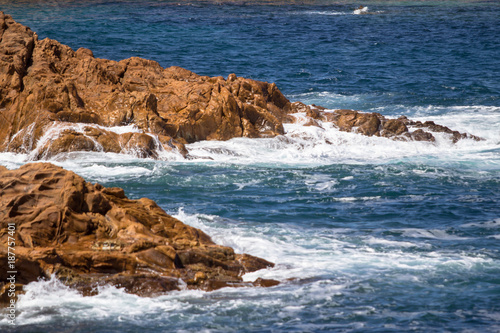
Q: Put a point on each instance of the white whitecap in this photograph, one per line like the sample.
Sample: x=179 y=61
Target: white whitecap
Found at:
x=353 y=199
x=360 y=10
x=320 y=12
x=307 y=253
x=494 y=224
x=430 y=234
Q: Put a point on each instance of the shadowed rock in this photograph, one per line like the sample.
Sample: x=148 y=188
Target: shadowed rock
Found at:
x=89 y=235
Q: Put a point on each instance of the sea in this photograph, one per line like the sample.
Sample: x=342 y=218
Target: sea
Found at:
x=368 y=234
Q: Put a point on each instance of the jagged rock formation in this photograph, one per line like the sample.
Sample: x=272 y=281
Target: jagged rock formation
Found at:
x=54 y=99
x=89 y=235
x=44 y=84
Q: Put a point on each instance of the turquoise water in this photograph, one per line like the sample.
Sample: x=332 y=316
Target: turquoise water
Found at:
x=368 y=234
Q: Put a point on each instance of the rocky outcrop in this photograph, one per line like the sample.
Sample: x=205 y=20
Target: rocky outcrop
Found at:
x=44 y=86
x=90 y=235
x=375 y=124
x=54 y=99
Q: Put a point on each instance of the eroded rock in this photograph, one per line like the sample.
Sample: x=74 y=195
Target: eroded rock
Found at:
x=89 y=235
x=46 y=85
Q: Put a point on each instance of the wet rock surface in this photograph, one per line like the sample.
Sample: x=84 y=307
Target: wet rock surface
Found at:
x=375 y=124
x=89 y=235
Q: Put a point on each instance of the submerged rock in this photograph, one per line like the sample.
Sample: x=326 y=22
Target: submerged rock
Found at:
x=89 y=235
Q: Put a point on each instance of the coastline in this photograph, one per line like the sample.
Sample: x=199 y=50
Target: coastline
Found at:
x=361 y=228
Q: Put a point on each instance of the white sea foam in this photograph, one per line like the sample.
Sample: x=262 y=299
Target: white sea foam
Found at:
x=321 y=183
x=12 y=160
x=247 y=184
x=301 y=253
x=312 y=145
x=97 y=166
x=55 y=129
x=322 y=12
x=357 y=11
x=480 y=120
x=495 y=224
x=313 y=266
x=327 y=98
x=396 y=244
x=353 y=199
x=431 y=234
x=132 y=128
x=44 y=300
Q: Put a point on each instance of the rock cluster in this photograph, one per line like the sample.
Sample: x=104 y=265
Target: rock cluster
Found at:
x=90 y=235
x=46 y=88
x=375 y=124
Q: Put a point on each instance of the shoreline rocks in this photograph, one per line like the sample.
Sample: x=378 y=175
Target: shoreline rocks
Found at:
x=44 y=84
x=88 y=235
x=54 y=99
x=375 y=124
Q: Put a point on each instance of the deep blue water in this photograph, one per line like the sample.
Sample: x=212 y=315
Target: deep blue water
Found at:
x=411 y=53
x=368 y=234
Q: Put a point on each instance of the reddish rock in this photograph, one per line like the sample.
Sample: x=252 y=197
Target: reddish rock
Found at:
x=374 y=124
x=90 y=235
x=393 y=127
x=364 y=123
x=421 y=135
x=455 y=135
x=45 y=85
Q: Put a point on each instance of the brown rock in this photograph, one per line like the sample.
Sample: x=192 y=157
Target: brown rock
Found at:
x=45 y=85
x=393 y=127
x=421 y=135
x=369 y=124
x=455 y=135
x=89 y=235
x=299 y=107
x=364 y=123
x=374 y=124
x=251 y=263
x=314 y=113
x=265 y=282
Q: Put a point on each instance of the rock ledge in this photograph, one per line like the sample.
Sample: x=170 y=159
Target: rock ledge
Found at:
x=90 y=235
